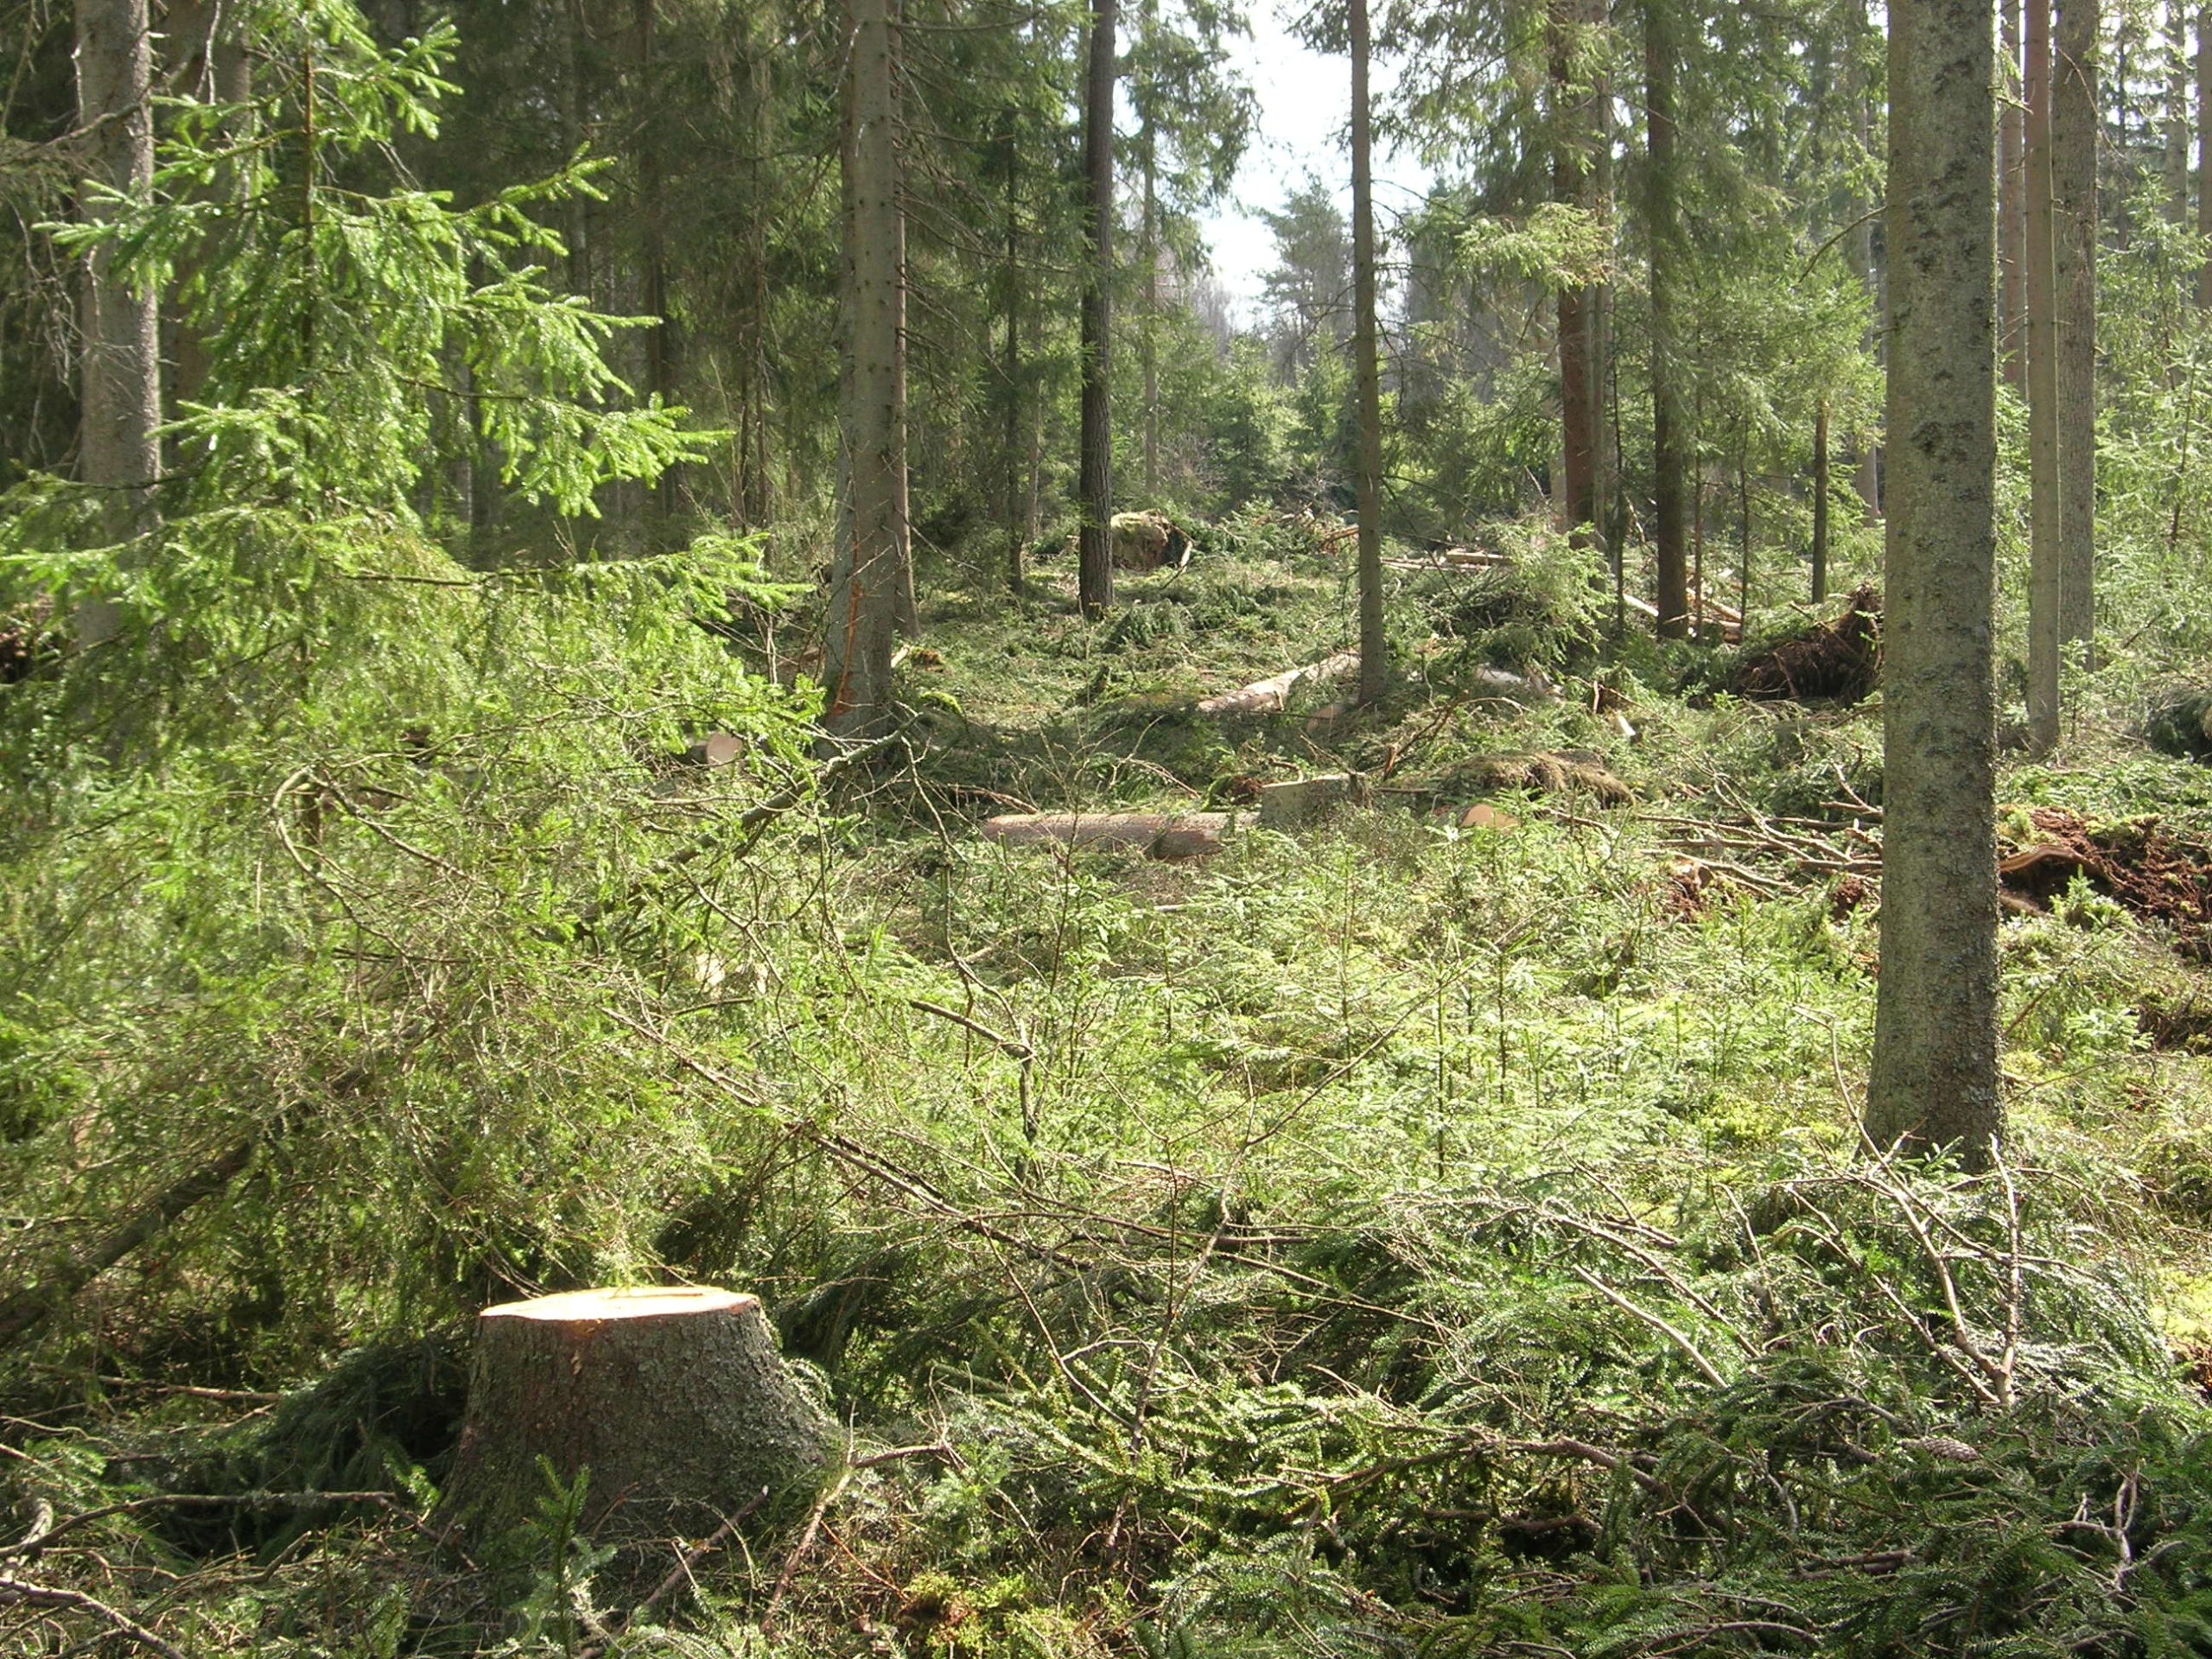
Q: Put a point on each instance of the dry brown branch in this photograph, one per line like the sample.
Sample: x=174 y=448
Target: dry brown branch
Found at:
x=20 y=1592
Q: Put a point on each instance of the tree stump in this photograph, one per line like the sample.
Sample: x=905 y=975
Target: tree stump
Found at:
x=674 y=1399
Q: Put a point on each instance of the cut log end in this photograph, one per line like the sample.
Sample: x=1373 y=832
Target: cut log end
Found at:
x=643 y=1302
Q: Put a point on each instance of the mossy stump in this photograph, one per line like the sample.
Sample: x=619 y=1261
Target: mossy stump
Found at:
x=676 y=1400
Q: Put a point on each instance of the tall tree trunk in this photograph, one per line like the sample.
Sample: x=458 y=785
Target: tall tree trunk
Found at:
x=1016 y=520
x=1606 y=503
x=2074 y=212
x=1868 y=479
x=2174 y=172
x=121 y=386
x=652 y=208
x=2011 y=204
x=907 y=612
x=1820 y=504
x=1577 y=376
x=2204 y=148
x=1934 y=1078
x=1148 y=342
x=1095 y=480
x=2045 y=483
x=1366 y=364
x=862 y=615
x=1668 y=461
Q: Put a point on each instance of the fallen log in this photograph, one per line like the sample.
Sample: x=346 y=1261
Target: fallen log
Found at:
x=1715 y=615
x=1269 y=696
x=1157 y=835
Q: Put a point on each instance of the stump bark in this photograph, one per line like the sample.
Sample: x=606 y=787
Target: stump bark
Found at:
x=676 y=1400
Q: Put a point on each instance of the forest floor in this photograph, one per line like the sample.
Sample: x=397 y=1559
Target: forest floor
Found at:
x=1438 y=1227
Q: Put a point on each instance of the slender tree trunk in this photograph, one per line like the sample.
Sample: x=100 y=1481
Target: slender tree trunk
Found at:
x=1576 y=376
x=2074 y=212
x=1667 y=461
x=1744 y=501
x=1605 y=408
x=1934 y=1079
x=1697 y=528
x=1820 y=504
x=2175 y=169
x=2012 y=203
x=1094 y=482
x=906 y=607
x=2045 y=482
x=1868 y=479
x=652 y=208
x=1016 y=522
x=2204 y=148
x=1365 y=363
x=121 y=386
x=863 y=599
x=1148 y=144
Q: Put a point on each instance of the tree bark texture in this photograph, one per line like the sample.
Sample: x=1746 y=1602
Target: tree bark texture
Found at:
x=676 y=1400
x=1934 y=1078
x=1578 y=402
x=1367 y=367
x=1820 y=504
x=2204 y=148
x=1094 y=482
x=869 y=564
x=1668 y=428
x=2045 y=482
x=2012 y=203
x=2074 y=216
x=121 y=385
x=1017 y=523
x=2174 y=164
x=1868 y=479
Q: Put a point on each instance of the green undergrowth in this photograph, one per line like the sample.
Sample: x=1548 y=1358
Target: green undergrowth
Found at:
x=1397 y=1236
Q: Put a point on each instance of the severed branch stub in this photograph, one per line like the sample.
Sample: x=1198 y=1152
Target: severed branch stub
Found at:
x=674 y=1399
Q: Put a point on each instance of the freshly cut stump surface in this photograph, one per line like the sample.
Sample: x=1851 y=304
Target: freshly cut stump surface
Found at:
x=674 y=1399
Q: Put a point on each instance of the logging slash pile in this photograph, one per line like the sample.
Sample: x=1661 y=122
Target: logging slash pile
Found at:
x=1839 y=659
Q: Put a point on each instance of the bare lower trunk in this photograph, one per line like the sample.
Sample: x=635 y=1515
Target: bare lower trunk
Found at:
x=119 y=453
x=2045 y=482
x=1372 y=646
x=1577 y=383
x=864 y=590
x=1935 y=1077
x=2011 y=204
x=1095 y=484
x=1820 y=504
x=2074 y=212
x=1016 y=519
x=1667 y=432
x=2204 y=148
x=2174 y=168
